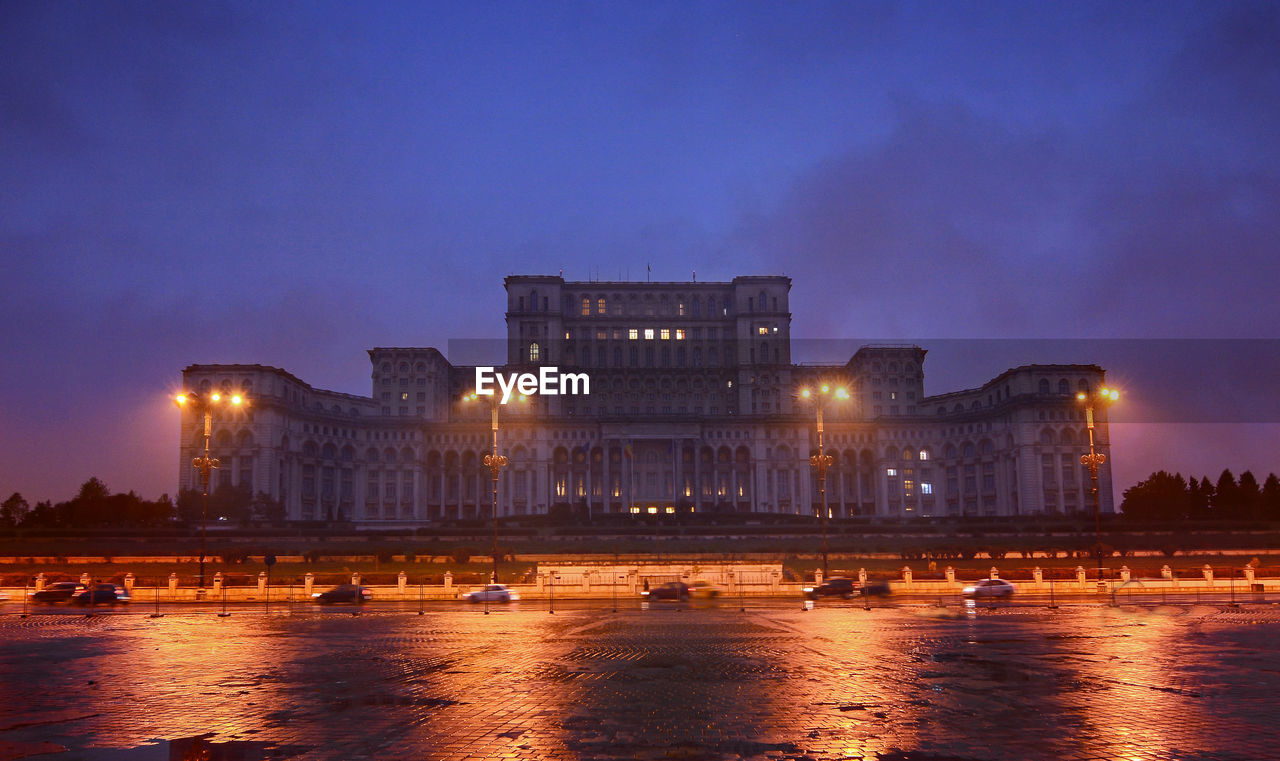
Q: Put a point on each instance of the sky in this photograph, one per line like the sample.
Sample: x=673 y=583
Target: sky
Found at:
x=293 y=183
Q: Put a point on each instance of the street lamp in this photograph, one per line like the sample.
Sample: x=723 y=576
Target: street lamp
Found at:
x=495 y=463
x=206 y=464
x=821 y=461
x=1104 y=396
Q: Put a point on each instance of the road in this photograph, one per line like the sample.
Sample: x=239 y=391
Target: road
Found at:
x=688 y=681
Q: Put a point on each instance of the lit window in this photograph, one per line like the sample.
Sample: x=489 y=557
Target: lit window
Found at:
x=600 y=305
x=908 y=486
x=635 y=510
x=648 y=334
x=762 y=330
x=601 y=335
x=633 y=334
x=670 y=509
x=404 y=396
x=534 y=352
x=586 y=307
x=924 y=454
x=653 y=510
x=665 y=334
x=680 y=309
x=926 y=488
x=566 y=335
x=679 y=334
x=891 y=472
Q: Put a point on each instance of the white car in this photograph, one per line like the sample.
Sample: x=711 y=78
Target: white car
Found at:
x=494 y=593
x=990 y=588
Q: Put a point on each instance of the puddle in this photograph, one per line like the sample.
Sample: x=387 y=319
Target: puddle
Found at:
x=183 y=749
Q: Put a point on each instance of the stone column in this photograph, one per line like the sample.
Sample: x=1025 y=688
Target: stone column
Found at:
x=217 y=583
x=355 y=578
x=401 y=580
x=994 y=573
x=951 y=575
x=1208 y=575
x=862 y=575
x=1080 y=576
x=1124 y=574
x=308 y=582
x=906 y=575
x=448 y=582
x=1037 y=575
x=128 y=583
x=40 y=581
x=173 y=584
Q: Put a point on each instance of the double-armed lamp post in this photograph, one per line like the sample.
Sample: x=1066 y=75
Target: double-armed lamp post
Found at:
x=495 y=463
x=1094 y=459
x=205 y=464
x=821 y=461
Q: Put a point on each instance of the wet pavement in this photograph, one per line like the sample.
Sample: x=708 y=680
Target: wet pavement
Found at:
x=671 y=682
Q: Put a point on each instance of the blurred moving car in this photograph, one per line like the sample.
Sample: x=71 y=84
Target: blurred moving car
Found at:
x=60 y=591
x=989 y=588
x=101 y=594
x=836 y=586
x=704 y=590
x=494 y=593
x=672 y=590
x=875 y=589
x=344 y=593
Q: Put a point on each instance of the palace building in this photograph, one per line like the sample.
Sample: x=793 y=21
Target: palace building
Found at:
x=693 y=406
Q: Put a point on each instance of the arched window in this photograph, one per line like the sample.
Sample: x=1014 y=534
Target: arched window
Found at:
x=1063 y=386
x=1083 y=385
x=586 y=306
x=600 y=305
x=697 y=307
x=762 y=302
x=535 y=352
x=924 y=454
x=1044 y=385
x=1046 y=437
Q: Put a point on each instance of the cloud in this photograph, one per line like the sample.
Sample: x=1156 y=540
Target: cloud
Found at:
x=1132 y=225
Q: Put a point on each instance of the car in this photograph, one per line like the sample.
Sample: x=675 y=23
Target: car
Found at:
x=60 y=591
x=672 y=590
x=989 y=588
x=350 y=593
x=493 y=593
x=875 y=589
x=704 y=590
x=101 y=594
x=836 y=586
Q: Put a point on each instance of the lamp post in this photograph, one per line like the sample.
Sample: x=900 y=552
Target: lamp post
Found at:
x=495 y=463
x=821 y=461
x=205 y=464
x=1095 y=459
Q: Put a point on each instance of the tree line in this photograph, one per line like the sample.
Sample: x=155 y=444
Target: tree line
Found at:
x=94 y=506
x=1172 y=498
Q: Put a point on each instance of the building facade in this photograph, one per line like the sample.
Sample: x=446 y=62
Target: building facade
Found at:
x=693 y=406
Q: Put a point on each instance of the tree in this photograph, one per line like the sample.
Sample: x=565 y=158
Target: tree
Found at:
x=1226 y=496
x=1160 y=497
x=265 y=508
x=14 y=510
x=1271 y=498
x=1249 y=496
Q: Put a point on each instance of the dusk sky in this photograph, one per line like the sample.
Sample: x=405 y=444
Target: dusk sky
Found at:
x=293 y=183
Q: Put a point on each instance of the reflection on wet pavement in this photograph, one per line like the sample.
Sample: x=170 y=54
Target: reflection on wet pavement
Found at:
x=977 y=683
